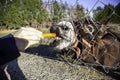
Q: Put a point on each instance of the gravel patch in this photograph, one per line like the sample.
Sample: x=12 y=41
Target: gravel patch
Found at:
x=36 y=67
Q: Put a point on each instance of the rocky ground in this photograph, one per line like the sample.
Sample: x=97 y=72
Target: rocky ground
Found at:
x=40 y=63
x=32 y=67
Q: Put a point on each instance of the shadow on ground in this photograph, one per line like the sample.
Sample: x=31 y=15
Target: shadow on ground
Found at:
x=44 y=51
